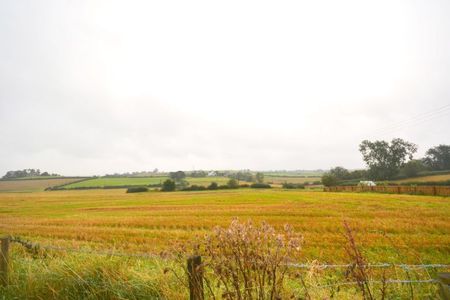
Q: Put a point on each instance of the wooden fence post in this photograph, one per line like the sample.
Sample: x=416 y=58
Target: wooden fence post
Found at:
x=444 y=285
x=4 y=260
x=195 y=276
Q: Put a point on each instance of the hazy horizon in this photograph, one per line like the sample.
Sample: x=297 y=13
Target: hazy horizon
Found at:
x=96 y=87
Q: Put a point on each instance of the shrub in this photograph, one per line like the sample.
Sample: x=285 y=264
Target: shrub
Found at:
x=288 y=185
x=194 y=188
x=412 y=168
x=329 y=179
x=244 y=185
x=233 y=183
x=260 y=186
x=137 y=189
x=168 y=186
x=213 y=186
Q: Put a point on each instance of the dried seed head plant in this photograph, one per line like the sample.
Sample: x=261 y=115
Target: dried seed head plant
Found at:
x=249 y=261
x=358 y=270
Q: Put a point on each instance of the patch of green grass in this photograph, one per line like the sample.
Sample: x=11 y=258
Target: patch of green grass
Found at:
x=119 y=181
x=140 y=181
x=207 y=180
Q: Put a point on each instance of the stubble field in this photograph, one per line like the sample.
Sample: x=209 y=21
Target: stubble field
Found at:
x=393 y=228
x=33 y=185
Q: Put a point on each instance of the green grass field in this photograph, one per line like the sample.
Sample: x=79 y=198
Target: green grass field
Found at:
x=207 y=180
x=138 y=181
x=121 y=181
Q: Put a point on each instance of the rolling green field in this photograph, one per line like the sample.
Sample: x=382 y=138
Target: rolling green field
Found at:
x=120 y=181
x=207 y=180
x=139 y=181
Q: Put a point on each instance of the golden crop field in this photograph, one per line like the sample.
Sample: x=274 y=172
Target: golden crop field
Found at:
x=431 y=178
x=395 y=228
x=32 y=185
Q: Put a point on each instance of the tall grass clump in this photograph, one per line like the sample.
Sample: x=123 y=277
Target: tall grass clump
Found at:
x=60 y=275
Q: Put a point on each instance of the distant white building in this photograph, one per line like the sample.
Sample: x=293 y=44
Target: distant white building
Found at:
x=367 y=183
x=212 y=174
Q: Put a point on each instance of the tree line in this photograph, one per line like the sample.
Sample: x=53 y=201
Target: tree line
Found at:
x=177 y=180
x=27 y=173
x=389 y=160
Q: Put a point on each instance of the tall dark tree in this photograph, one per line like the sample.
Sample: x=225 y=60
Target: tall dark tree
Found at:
x=438 y=158
x=177 y=176
x=385 y=159
x=340 y=173
x=329 y=179
x=259 y=177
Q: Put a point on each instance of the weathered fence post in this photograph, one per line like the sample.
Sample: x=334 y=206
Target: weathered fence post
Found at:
x=195 y=276
x=4 y=260
x=444 y=285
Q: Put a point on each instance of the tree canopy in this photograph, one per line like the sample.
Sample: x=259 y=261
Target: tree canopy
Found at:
x=177 y=176
x=385 y=159
x=438 y=158
x=26 y=173
x=259 y=177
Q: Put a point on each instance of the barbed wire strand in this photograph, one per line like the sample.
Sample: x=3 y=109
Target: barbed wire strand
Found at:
x=36 y=246
x=381 y=265
x=387 y=281
x=30 y=245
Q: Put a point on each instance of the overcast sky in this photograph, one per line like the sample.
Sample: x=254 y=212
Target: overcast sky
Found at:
x=94 y=87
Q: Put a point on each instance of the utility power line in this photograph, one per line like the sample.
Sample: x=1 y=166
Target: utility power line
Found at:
x=415 y=120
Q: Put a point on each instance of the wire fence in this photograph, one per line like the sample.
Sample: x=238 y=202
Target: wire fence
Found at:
x=387 y=281
x=35 y=247
x=30 y=245
x=380 y=265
